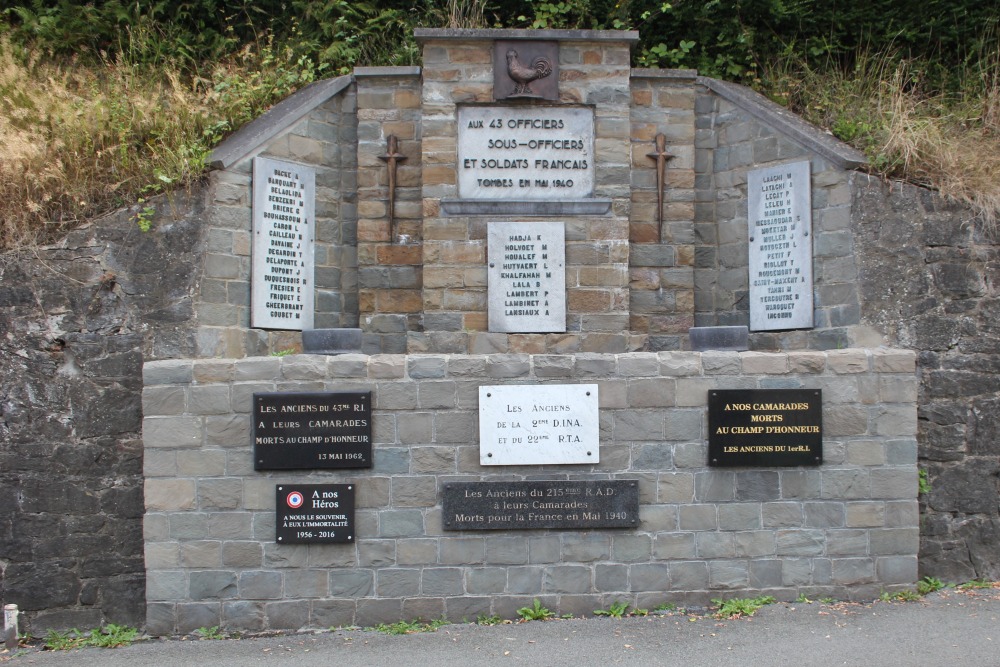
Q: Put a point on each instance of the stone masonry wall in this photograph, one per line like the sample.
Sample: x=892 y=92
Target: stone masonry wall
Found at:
x=731 y=141
x=847 y=528
x=77 y=319
x=661 y=261
x=928 y=278
x=324 y=139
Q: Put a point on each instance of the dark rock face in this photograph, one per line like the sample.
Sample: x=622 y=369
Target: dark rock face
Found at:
x=929 y=281
x=76 y=321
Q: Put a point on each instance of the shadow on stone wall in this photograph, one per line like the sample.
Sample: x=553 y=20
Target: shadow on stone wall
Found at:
x=928 y=279
x=77 y=320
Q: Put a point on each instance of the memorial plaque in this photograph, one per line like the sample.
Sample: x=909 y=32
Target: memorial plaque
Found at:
x=284 y=201
x=525 y=152
x=765 y=427
x=527 y=277
x=314 y=513
x=538 y=424
x=312 y=430
x=541 y=504
x=780 y=234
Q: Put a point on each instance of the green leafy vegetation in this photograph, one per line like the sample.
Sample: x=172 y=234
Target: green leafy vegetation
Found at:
x=110 y=636
x=410 y=627
x=975 y=584
x=616 y=610
x=484 y=619
x=923 y=486
x=105 y=103
x=930 y=584
x=210 y=633
x=739 y=607
x=536 y=612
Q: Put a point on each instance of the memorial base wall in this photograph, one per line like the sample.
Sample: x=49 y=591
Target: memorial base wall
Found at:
x=847 y=528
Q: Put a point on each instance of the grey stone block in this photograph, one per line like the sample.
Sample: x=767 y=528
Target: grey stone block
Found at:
x=896 y=569
x=851 y=571
x=401 y=523
x=303 y=583
x=485 y=580
x=754 y=543
x=849 y=542
x=462 y=551
x=734 y=338
x=351 y=583
x=507 y=550
x=697 y=517
x=586 y=547
x=630 y=548
x=394 y=582
x=824 y=514
x=637 y=425
x=649 y=576
x=728 y=574
x=740 y=516
x=759 y=485
x=442 y=581
x=332 y=613
x=674 y=546
x=611 y=577
x=714 y=486
x=526 y=580
x=765 y=574
x=427 y=366
x=334 y=342
x=894 y=541
x=567 y=579
x=466 y=609
x=287 y=614
x=212 y=584
x=800 y=542
x=715 y=545
x=652 y=457
x=194 y=615
x=375 y=611
x=259 y=585
x=800 y=484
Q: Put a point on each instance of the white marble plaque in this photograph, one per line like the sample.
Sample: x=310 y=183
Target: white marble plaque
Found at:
x=527 y=277
x=538 y=424
x=525 y=153
x=780 y=233
x=281 y=287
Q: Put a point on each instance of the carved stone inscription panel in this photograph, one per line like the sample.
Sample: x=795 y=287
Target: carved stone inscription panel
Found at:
x=519 y=152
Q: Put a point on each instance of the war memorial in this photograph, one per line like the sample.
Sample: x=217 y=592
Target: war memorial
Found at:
x=522 y=322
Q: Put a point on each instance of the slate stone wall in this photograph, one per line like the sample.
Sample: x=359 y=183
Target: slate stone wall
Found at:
x=77 y=319
x=847 y=528
x=928 y=279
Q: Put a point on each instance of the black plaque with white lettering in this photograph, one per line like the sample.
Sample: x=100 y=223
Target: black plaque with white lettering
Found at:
x=765 y=427
x=312 y=430
x=314 y=513
x=541 y=504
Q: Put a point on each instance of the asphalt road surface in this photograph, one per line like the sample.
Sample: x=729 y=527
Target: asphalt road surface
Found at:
x=950 y=627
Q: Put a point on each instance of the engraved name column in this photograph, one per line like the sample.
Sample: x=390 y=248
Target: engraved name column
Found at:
x=527 y=277
x=284 y=201
x=780 y=234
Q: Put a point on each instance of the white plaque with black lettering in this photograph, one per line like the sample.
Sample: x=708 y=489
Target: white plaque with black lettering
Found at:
x=780 y=233
x=538 y=424
x=281 y=281
x=527 y=277
x=525 y=152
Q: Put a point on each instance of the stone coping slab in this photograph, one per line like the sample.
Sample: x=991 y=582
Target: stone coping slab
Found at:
x=277 y=119
x=443 y=34
x=839 y=153
x=571 y=207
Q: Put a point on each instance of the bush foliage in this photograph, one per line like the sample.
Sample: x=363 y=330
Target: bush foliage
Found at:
x=104 y=102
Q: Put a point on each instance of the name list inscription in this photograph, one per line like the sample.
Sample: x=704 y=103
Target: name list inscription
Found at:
x=538 y=424
x=533 y=153
x=765 y=427
x=284 y=201
x=780 y=248
x=314 y=513
x=540 y=504
x=312 y=430
x=527 y=276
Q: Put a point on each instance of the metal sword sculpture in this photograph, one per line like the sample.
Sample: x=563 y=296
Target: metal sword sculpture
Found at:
x=661 y=156
x=392 y=157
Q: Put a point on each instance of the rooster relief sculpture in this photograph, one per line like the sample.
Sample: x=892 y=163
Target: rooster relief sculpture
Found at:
x=523 y=75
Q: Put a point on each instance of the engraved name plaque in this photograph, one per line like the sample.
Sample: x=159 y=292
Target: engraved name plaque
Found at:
x=541 y=504
x=527 y=277
x=780 y=234
x=284 y=201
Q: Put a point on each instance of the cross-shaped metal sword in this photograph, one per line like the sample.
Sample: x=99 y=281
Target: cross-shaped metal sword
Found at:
x=392 y=157
x=661 y=156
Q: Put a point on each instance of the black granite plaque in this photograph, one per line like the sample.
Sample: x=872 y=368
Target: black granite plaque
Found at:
x=313 y=513
x=765 y=427
x=541 y=504
x=312 y=430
